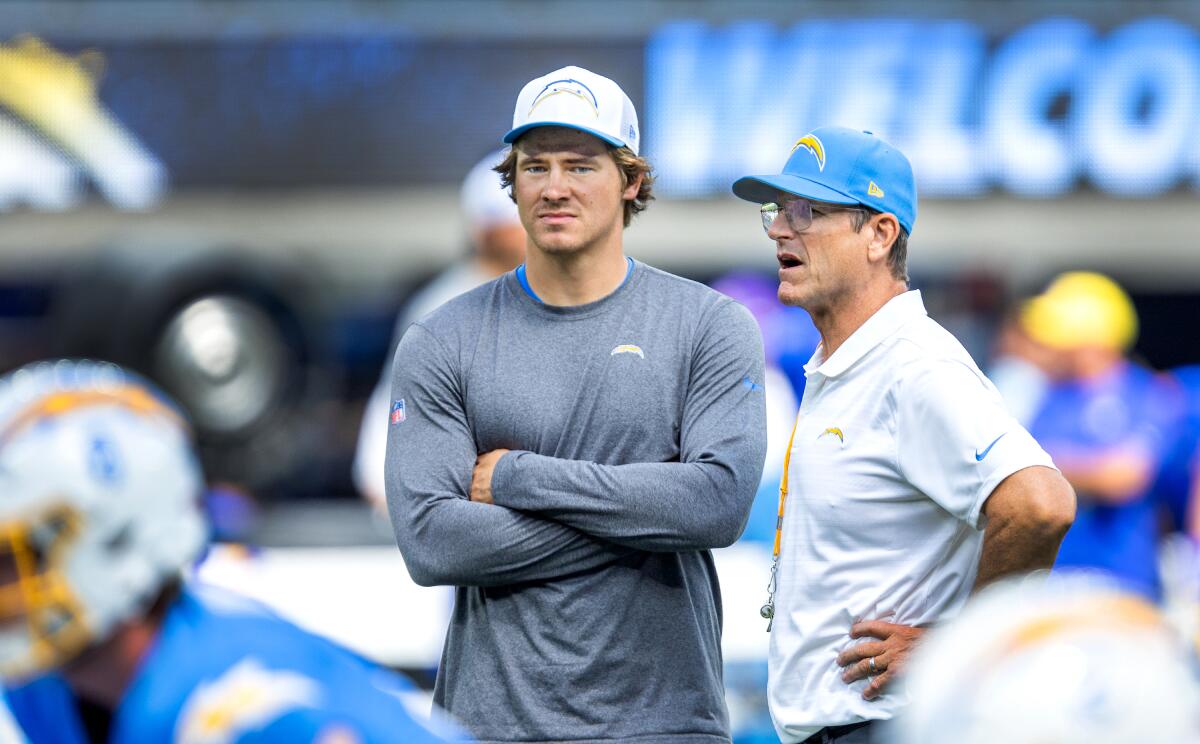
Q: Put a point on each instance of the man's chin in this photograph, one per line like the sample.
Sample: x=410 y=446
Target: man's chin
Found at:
x=791 y=296
x=557 y=244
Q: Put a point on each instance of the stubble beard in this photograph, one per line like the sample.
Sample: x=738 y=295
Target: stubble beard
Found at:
x=561 y=247
x=565 y=246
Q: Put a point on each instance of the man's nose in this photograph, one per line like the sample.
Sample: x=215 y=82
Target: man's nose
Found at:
x=556 y=187
x=780 y=229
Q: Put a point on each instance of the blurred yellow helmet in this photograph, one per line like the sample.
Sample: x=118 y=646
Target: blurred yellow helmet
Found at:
x=1081 y=309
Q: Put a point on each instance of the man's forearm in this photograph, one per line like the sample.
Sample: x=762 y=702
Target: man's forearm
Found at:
x=1028 y=515
x=648 y=506
x=1010 y=549
x=458 y=543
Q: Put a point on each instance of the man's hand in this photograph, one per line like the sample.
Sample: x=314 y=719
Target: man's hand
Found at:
x=481 y=479
x=890 y=653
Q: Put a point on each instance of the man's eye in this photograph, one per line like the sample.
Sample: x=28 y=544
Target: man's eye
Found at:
x=582 y=169
x=534 y=168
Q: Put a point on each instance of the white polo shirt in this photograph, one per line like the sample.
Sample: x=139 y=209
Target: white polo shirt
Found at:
x=900 y=439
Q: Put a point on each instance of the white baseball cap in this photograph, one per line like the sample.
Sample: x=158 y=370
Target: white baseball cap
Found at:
x=579 y=99
x=485 y=201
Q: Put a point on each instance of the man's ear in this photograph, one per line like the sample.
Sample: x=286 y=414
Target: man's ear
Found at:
x=631 y=189
x=884 y=230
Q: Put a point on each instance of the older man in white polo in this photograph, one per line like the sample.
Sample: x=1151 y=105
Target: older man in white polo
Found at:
x=907 y=483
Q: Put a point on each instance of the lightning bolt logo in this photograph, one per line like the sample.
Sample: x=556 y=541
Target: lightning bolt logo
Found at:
x=835 y=432
x=568 y=86
x=814 y=146
x=627 y=349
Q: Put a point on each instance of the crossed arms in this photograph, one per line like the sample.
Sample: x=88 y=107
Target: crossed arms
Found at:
x=554 y=517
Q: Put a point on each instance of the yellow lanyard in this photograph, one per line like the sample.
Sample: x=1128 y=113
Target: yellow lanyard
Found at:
x=768 y=610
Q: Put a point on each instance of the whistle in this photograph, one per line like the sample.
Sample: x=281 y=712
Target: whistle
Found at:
x=767 y=611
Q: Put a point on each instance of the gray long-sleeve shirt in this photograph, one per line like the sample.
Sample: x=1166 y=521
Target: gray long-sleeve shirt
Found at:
x=587 y=606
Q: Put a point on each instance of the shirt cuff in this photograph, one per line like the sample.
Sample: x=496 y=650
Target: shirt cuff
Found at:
x=995 y=478
x=504 y=477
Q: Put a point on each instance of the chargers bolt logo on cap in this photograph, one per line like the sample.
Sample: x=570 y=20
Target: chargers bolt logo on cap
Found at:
x=578 y=99
x=569 y=87
x=812 y=144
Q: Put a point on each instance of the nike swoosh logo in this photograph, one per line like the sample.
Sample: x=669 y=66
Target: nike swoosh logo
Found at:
x=980 y=455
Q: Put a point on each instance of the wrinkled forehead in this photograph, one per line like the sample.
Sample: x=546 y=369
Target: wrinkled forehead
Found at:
x=544 y=141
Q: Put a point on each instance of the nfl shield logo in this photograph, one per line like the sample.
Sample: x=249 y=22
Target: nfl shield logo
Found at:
x=397 y=411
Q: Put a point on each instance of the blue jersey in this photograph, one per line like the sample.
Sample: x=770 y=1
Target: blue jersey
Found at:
x=1126 y=408
x=226 y=670
x=1174 y=485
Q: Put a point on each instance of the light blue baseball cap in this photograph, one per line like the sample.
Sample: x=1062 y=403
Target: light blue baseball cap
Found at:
x=839 y=165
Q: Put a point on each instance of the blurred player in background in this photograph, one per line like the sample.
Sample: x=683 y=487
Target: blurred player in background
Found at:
x=497 y=245
x=1105 y=422
x=568 y=442
x=1068 y=661
x=103 y=640
x=1177 y=487
x=907 y=482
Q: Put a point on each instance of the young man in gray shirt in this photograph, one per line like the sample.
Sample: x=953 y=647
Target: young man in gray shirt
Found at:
x=567 y=443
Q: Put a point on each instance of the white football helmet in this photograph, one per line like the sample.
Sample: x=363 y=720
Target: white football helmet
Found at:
x=99 y=507
x=1067 y=660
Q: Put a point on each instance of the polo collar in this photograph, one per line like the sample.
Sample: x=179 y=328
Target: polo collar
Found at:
x=886 y=321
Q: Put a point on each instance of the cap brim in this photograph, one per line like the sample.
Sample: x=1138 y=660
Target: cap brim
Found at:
x=513 y=134
x=762 y=189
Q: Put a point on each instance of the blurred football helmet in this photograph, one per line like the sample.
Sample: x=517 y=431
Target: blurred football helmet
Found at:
x=1070 y=660
x=1081 y=309
x=99 y=507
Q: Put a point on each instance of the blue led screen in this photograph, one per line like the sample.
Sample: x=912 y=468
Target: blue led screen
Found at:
x=1050 y=108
